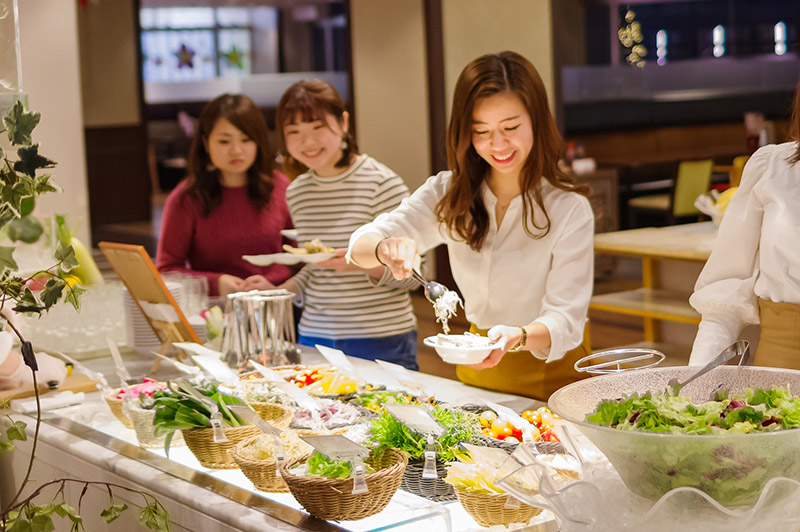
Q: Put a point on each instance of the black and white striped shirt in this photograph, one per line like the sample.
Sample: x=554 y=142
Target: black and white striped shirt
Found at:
x=348 y=304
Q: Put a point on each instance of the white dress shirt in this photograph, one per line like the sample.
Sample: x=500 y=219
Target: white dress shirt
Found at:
x=514 y=279
x=756 y=253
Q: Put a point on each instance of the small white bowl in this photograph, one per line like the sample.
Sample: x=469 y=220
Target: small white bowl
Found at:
x=455 y=354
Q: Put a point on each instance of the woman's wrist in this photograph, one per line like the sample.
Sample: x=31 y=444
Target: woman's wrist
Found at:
x=523 y=340
x=377 y=256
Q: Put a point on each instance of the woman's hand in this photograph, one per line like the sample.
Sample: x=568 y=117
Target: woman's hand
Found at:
x=509 y=338
x=399 y=255
x=257 y=282
x=227 y=284
x=338 y=263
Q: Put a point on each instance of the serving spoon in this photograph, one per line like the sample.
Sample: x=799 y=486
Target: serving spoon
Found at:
x=432 y=289
x=740 y=348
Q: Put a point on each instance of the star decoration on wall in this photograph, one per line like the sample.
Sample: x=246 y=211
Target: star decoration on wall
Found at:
x=235 y=58
x=185 y=57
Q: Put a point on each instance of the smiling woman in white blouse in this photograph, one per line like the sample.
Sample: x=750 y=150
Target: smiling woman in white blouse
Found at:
x=753 y=273
x=518 y=230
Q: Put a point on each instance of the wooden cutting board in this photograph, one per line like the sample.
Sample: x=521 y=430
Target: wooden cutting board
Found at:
x=77 y=382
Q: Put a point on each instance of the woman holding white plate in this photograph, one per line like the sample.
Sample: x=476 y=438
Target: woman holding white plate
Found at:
x=366 y=314
x=233 y=203
x=518 y=231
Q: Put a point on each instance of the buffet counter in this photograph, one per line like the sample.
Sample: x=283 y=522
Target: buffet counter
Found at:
x=86 y=442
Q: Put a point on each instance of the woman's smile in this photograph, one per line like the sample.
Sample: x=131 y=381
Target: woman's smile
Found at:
x=504 y=158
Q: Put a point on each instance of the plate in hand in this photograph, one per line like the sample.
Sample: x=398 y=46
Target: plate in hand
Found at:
x=287 y=258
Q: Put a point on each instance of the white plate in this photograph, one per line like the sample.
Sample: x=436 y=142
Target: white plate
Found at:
x=454 y=354
x=291 y=234
x=287 y=258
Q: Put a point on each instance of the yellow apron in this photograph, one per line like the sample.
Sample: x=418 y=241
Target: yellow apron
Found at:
x=779 y=345
x=521 y=373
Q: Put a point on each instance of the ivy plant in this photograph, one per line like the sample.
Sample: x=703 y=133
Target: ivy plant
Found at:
x=20 y=184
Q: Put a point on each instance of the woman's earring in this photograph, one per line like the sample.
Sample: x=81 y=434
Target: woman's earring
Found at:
x=210 y=167
x=344 y=144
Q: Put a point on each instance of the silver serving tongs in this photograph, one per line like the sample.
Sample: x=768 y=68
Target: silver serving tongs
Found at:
x=432 y=289
x=740 y=348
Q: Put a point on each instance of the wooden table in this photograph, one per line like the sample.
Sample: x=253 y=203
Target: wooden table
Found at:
x=672 y=258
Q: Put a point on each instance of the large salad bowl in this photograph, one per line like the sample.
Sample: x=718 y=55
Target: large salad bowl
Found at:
x=731 y=468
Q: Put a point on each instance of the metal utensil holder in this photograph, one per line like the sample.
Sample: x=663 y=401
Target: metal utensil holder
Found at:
x=612 y=360
x=259 y=325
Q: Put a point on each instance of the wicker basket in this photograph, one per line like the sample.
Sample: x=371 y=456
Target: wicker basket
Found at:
x=116 y=408
x=434 y=489
x=215 y=455
x=332 y=498
x=489 y=509
x=262 y=473
x=142 y=419
x=277 y=415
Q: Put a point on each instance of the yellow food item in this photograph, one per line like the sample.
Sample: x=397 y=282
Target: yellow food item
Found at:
x=725 y=198
x=310 y=247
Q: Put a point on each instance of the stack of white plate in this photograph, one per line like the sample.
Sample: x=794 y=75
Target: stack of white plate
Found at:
x=138 y=332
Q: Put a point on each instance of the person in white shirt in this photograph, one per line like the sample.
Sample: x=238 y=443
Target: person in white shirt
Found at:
x=518 y=230
x=753 y=273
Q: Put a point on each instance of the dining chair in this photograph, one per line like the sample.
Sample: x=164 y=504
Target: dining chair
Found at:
x=735 y=175
x=693 y=179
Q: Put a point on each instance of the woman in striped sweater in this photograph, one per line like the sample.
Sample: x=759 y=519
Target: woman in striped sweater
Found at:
x=365 y=313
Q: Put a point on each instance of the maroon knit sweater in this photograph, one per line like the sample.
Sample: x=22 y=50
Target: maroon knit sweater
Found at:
x=213 y=245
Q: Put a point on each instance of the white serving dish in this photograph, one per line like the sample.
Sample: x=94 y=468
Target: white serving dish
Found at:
x=287 y=258
x=291 y=234
x=455 y=354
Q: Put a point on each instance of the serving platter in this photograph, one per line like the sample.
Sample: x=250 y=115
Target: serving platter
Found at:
x=287 y=258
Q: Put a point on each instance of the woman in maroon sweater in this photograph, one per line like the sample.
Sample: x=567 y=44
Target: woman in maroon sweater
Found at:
x=233 y=203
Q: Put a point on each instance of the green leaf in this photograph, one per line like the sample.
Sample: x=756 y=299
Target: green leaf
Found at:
x=30 y=160
x=27 y=205
x=6 y=446
x=113 y=512
x=17 y=431
x=20 y=124
x=73 y=296
x=42 y=184
x=26 y=229
x=53 y=289
x=65 y=510
x=66 y=256
x=42 y=523
x=14 y=196
x=18 y=525
x=27 y=302
x=7 y=261
x=154 y=517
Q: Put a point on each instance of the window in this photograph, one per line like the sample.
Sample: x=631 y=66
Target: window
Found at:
x=199 y=43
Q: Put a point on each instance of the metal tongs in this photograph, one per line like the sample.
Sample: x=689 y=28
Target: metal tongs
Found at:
x=432 y=289
x=740 y=348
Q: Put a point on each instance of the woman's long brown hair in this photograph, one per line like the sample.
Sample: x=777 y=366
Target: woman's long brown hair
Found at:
x=462 y=209
x=794 y=127
x=203 y=181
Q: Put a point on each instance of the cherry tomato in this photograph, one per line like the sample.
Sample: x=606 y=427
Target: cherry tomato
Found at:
x=527 y=416
x=516 y=433
x=499 y=424
x=512 y=439
x=547 y=418
x=502 y=433
x=487 y=417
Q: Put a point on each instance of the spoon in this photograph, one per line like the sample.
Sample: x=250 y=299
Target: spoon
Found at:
x=740 y=348
x=432 y=289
